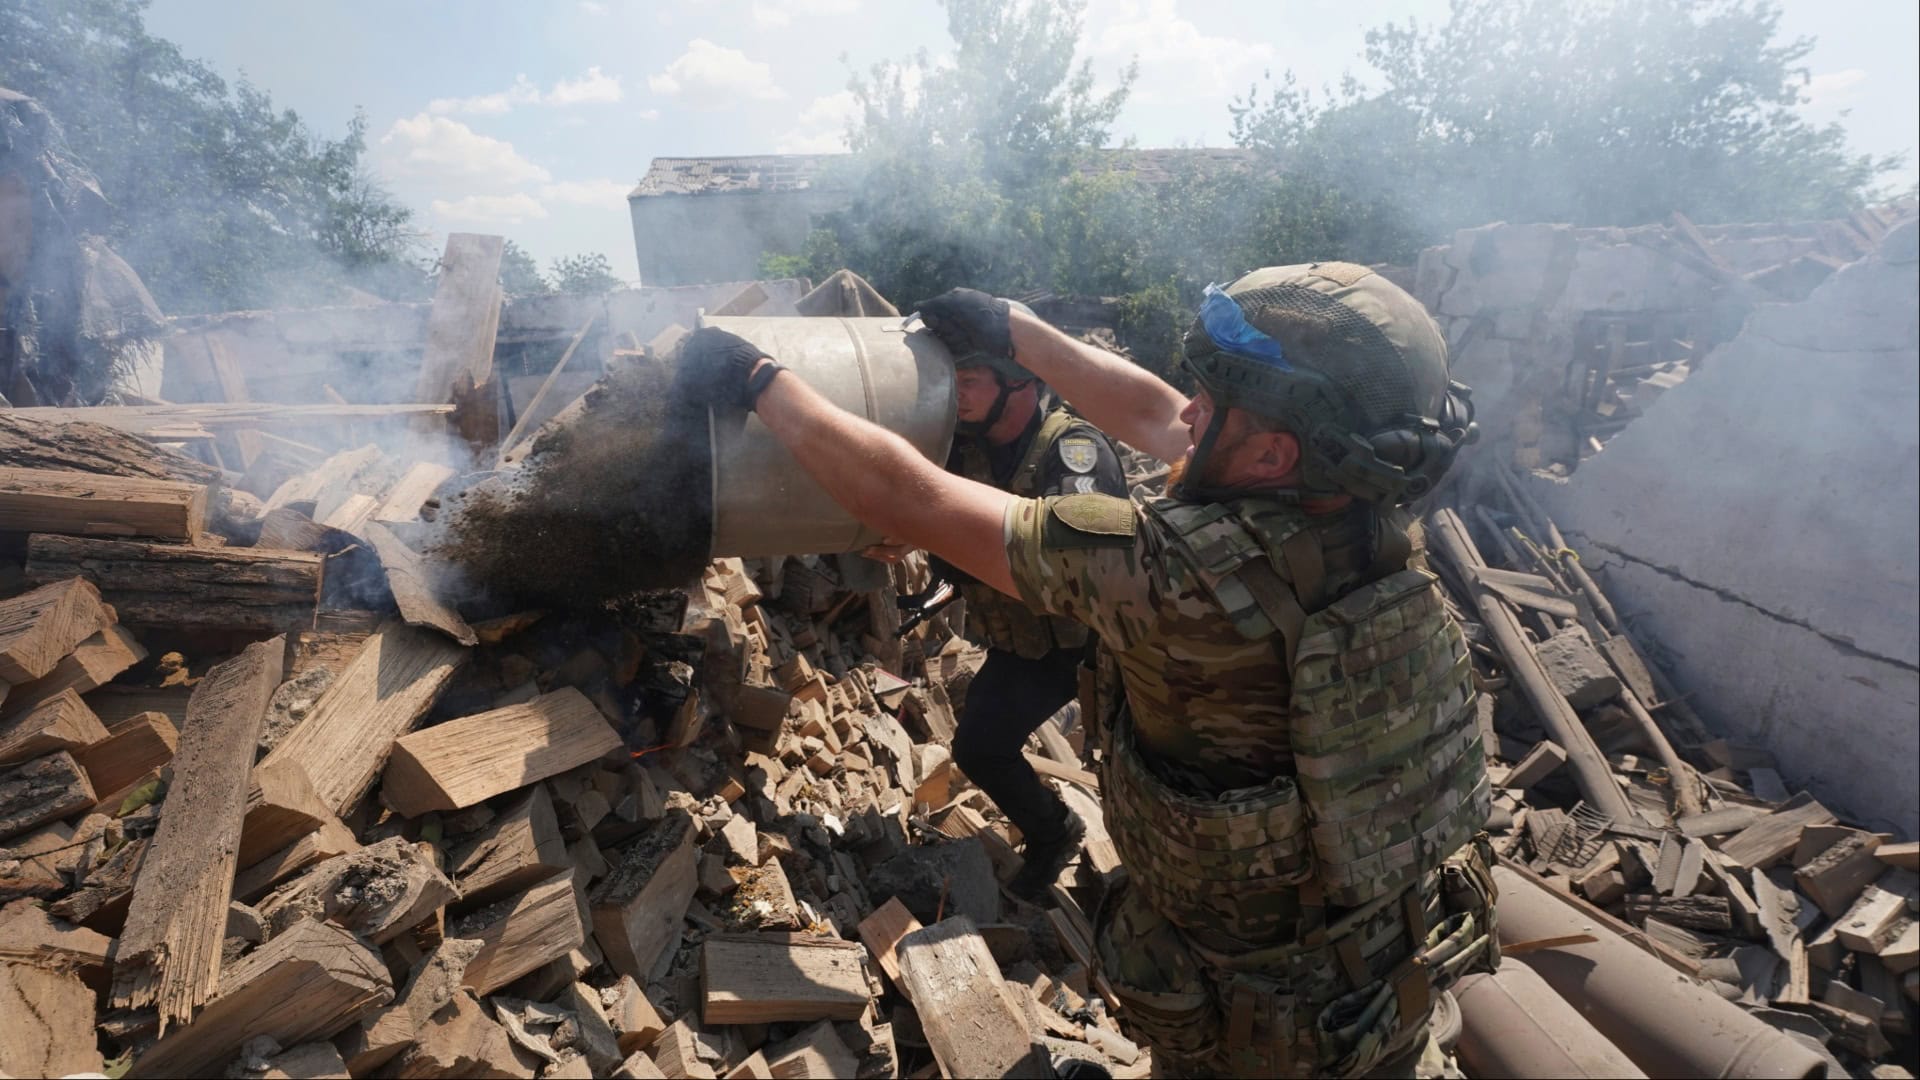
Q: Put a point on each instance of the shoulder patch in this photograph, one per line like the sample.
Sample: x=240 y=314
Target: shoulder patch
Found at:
x=1088 y=521
x=1079 y=452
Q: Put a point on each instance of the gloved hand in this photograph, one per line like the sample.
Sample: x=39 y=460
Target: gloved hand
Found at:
x=714 y=366
x=969 y=321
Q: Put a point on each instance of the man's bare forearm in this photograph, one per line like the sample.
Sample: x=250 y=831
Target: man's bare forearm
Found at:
x=880 y=478
x=1117 y=396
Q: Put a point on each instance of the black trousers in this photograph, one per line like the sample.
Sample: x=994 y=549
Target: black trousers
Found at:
x=1007 y=700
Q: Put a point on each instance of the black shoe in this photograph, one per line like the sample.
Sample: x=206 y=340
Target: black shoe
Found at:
x=1044 y=861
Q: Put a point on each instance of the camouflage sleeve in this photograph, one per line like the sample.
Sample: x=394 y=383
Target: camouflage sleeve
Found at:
x=1076 y=555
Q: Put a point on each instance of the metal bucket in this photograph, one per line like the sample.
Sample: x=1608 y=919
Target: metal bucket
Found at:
x=764 y=503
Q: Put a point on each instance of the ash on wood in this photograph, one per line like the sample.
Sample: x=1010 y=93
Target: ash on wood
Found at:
x=86 y=504
x=971 y=1023
x=412 y=580
x=462 y=762
x=388 y=686
x=378 y=892
x=638 y=908
x=183 y=587
x=768 y=978
x=170 y=951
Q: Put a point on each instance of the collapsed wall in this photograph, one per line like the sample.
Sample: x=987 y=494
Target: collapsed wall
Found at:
x=1760 y=523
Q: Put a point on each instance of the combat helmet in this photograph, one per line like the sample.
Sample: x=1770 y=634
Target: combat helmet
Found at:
x=1345 y=360
x=1006 y=371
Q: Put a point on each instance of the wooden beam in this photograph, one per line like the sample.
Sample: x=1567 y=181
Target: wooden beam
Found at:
x=388 y=686
x=62 y=722
x=42 y=790
x=464 y=318
x=522 y=845
x=88 y=446
x=972 y=1024
x=169 y=423
x=540 y=925
x=773 y=978
x=465 y=761
x=169 y=954
x=308 y=982
x=637 y=910
x=412 y=581
x=1773 y=838
x=40 y=627
x=86 y=504
x=92 y=664
x=176 y=586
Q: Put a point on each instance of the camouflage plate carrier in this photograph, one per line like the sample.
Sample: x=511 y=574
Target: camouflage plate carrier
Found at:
x=1302 y=927
x=995 y=619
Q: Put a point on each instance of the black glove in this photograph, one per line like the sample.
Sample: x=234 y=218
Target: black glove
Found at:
x=714 y=366
x=968 y=321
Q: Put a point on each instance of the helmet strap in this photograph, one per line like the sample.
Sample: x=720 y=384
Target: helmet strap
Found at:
x=977 y=428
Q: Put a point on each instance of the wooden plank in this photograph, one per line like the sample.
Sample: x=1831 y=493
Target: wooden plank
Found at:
x=412 y=582
x=92 y=664
x=538 y=926
x=62 y=722
x=637 y=910
x=972 y=1025
x=773 y=978
x=324 y=486
x=522 y=845
x=409 y=493
x=1875 y=917
x=1540 y=763
x=1773 y=837
x=464 y=318
x=540 y=410
x=1905 y=856
x=41 y=626
x=86 y=504
x=169 y=954
x=42 y=790
x=308 y=982
x=282 y=807
x=175 y=586
x=389 y=685
x=464 y=761
x=1049 y=767
x=48 y=1017
x=168 y=423
x=881 y=932
x=133 y=748
x=30 y=935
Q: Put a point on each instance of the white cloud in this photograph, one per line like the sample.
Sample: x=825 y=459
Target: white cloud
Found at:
x=1835 y=89
x=450 y=152
x=821 y=127
x=1178 y=62
x=648 y=114
x=598 y=192
x=773 y=14
x=515 y=209
x=709 y=76
x=593 y=88
x=593 y=7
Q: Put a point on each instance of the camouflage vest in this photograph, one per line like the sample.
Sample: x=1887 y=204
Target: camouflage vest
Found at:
x=1389 y=775
x=995 y=619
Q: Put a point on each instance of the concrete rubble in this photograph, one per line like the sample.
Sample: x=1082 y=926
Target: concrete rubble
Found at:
x=715 y=830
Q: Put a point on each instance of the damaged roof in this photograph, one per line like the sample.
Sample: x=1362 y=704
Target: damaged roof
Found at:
x=802 y=172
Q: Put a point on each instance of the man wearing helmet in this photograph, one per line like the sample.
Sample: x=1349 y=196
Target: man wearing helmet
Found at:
x=1013 y=436
x=1292 y=774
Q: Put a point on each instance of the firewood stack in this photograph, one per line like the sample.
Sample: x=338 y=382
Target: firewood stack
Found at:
x=271 y=805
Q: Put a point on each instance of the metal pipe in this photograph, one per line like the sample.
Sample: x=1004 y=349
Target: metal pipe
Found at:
x=1667 y=1024
x=764 y=503
x=1513 y=1026
x=1589 y=766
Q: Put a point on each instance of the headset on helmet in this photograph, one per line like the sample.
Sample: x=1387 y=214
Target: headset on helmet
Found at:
x=1346 y=361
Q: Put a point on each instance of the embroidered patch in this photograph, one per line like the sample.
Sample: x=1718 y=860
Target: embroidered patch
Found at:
x=1082 y=485
x=1079 y=453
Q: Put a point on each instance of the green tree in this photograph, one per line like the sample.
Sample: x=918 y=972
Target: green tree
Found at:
x=218 y=199
x=584 y=275
x=1569 y=110
x=519 y=274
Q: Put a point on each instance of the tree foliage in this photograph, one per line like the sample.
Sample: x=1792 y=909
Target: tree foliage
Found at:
x=519 y=274
x=219 y=200
x=584 y=275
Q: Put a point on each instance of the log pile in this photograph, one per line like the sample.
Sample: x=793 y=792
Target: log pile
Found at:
x=715 y=832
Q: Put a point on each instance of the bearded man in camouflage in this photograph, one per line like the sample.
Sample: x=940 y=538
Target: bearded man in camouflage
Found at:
x=1291 y=771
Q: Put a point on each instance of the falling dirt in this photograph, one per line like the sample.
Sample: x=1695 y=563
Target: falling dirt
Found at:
x=617 y=502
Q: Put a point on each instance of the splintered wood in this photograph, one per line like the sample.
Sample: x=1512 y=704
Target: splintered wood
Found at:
x=170 y=950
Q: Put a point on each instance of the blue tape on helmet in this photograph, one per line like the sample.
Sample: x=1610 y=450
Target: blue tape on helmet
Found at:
x=1229 y=329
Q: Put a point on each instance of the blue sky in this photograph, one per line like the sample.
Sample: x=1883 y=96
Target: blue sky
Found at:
x=535 y=120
